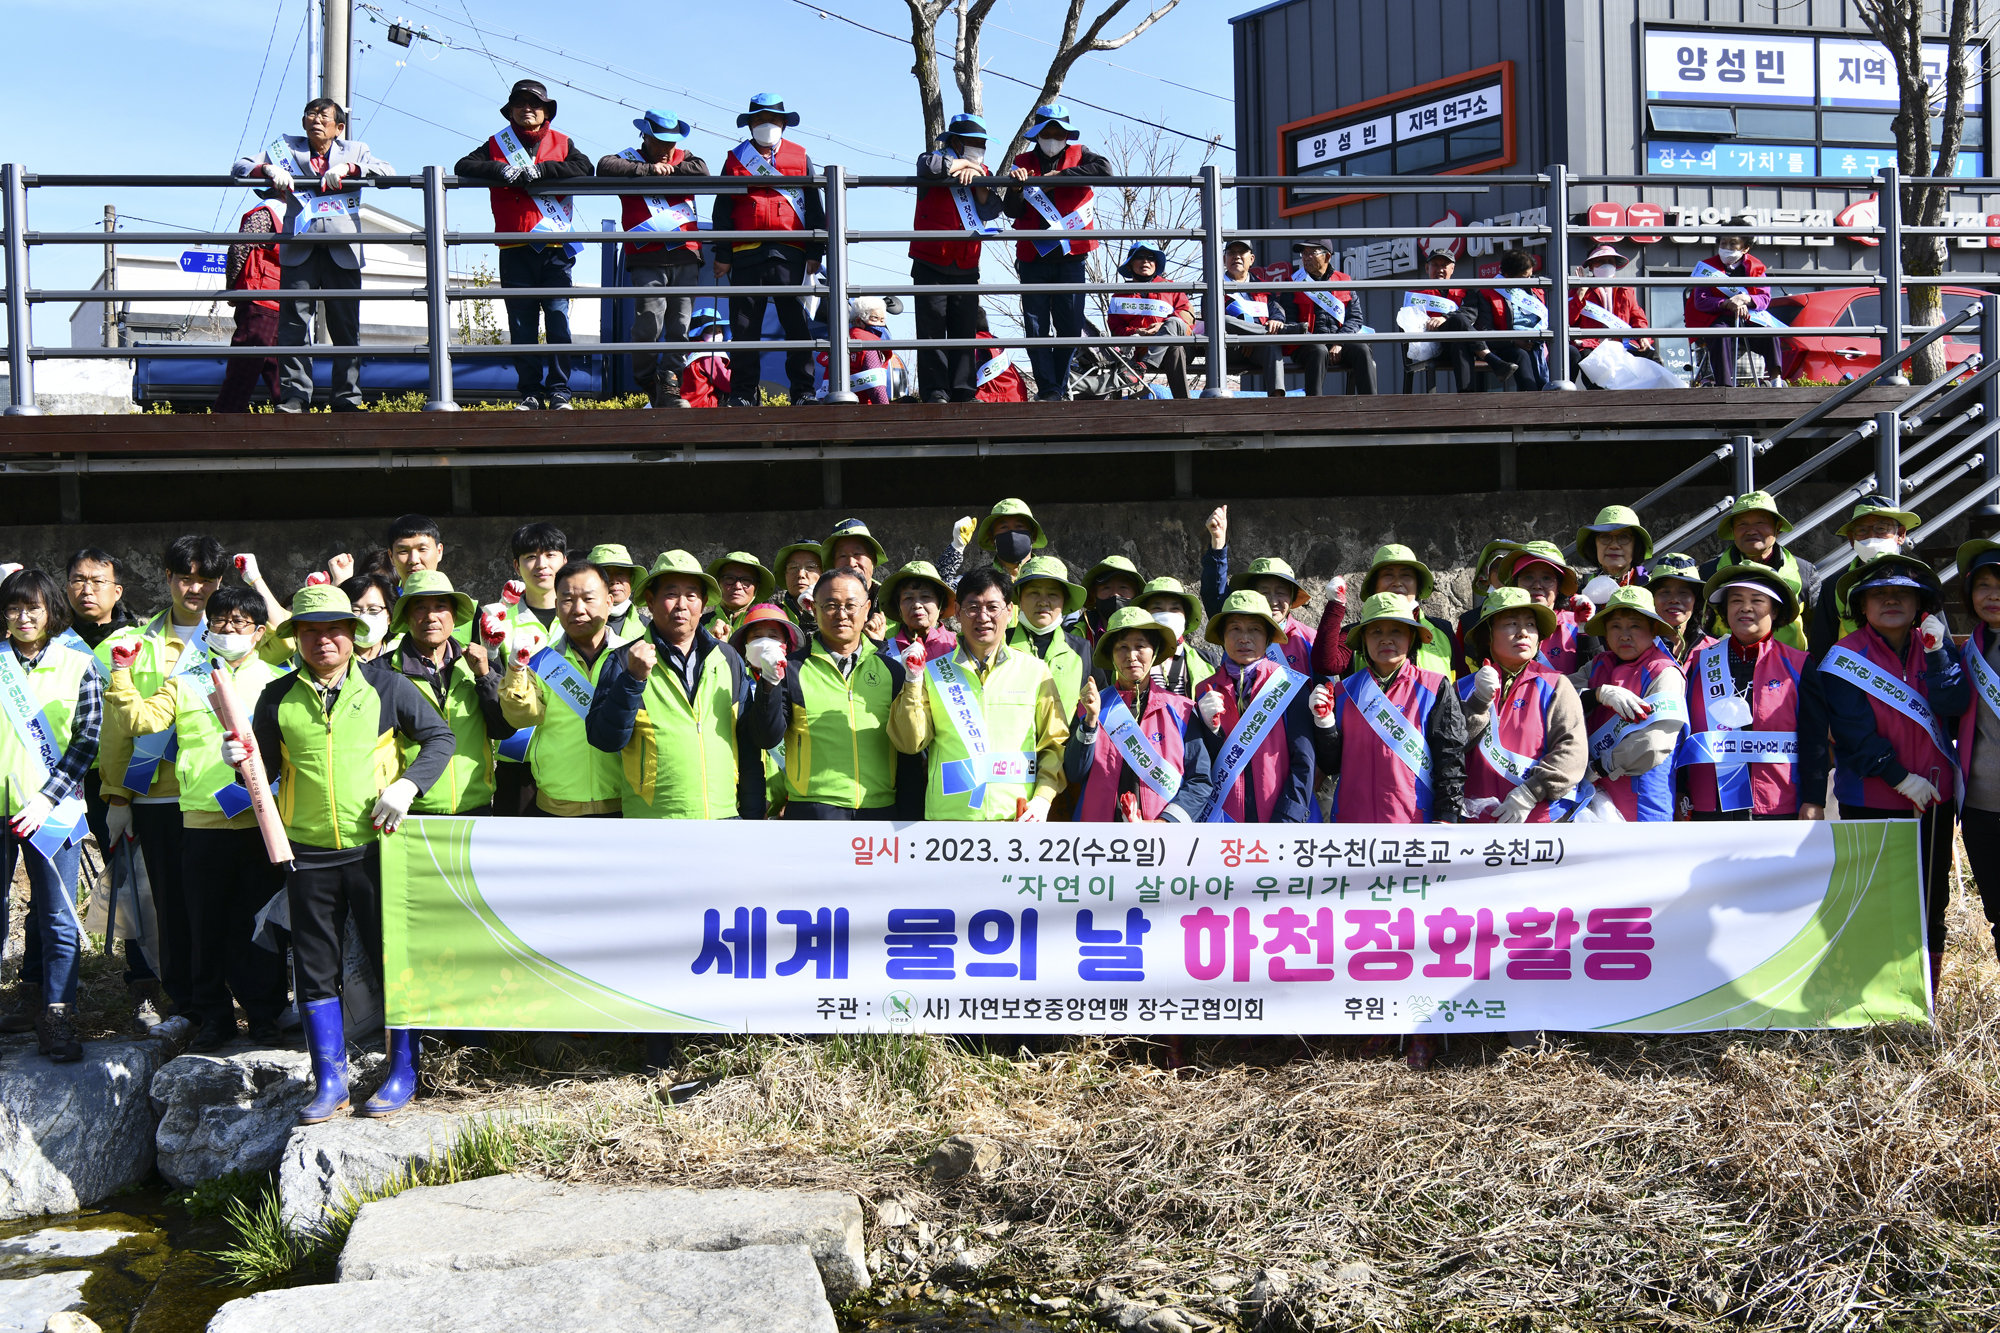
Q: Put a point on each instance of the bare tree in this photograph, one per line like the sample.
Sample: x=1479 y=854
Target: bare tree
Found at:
x=1899 y=25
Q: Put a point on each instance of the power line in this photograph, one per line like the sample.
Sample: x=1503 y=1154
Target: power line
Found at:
x=1146 y=74
x=411 y=114
x=222 y=201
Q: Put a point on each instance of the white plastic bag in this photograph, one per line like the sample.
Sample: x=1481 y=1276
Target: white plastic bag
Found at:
x=1412 y=320
x=1611 y=366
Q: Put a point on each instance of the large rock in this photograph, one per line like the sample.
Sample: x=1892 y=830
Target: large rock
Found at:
x=512 y=1222
x=323 y=1166
x=27 y=1303
x=223 y=1113
x=73 y=1134
x=752 y=1290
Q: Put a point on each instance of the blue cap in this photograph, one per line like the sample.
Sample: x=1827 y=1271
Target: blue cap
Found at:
x=767 y=103
x=1053 y=116
x=965 y=125
x=663 y=125
x=1887 y=579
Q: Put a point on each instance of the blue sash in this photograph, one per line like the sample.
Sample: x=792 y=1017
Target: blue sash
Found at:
x=1516 y=767
x=1527 y=310
x=148 y=752
x=1437 y=305
x=1732 y=751
x=1266 y=710
x=756 y=164
x=1135 y=750
x=1404 y=738
x=1704 y=269
x=1879 y=685
x=968 y=777
x=663 y=214
x=65 y=823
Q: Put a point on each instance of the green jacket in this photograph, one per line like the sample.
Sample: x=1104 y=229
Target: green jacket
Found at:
x=471 y=708
x=837 y=749
x=571 y=777
x=52 y=688
x=1065 y=655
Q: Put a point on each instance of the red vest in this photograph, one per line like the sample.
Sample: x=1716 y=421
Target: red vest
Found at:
x=1753 y=268
x=1119 y=325
x=1375 y=786
x=261 y=269
x=1561 y=652
x=1304 y=311
x=1520 y=718
x=1298 y=646
x=937 y=212
x=1774 y=706
x=1006 y=386
x=1269 y=768
x=1066 y=198
x=1915 y=749
x=767 y=210
x=1648 y=798
x=1164 y=723
x=706 y=379
x=633 y=211
x=514 y=210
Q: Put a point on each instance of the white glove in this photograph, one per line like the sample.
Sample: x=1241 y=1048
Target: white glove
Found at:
x=1336 y=591
x=1580 y=607
x=1515 y=807
x=1936 y=634
x=1920 y=792
x=513 y=171
x=35 y=812
x=761 y=655
x=1604 y=810
x=1035 y=811
x=281 y=179
x=1486 y=684
x=531 y=637
x=234 y=752
x=1623 y=702
x=330 y=182
x=961 y=532
x=9 y=568
x=1476 y=806
x=1209 y=706
x=246 y=566
x=1643 y=751
x=1321 y=703
x=393 y=804
x=1599 y=589
x=117 y=824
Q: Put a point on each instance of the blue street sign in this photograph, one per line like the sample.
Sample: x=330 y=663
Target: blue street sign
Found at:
x=204 y=261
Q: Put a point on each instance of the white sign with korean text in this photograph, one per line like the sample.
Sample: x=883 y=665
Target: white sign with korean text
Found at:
x=1684 y=66
x=1862 y=74
x=1448 y=113
x=1344 y=141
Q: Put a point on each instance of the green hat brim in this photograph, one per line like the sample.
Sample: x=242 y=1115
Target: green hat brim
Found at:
x=463 y=608
x=892 y=591
x=1354 y=631
x=1213 y=633
x=1566 y=586
x=324 y=617
x=826 y=548
x=1481 y=636
x=1247 y=582
x=643 y=589
x=1924 y=574
x=1586 y=540
x=1725 y=527
x=1426 y=585
x=1596 y=624
x=1189 y=602
x=1112 y=564
x=982 y=536
x=1165 y=644
x=1073 y=593
x=767 y=582
x=1909 y=520
x=1781 y=592
x=1490 y=552
x=1971 y=551
x=786 y=552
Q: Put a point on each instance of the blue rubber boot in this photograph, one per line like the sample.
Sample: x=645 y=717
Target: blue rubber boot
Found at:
x=326 y=1039
x=400 y=1087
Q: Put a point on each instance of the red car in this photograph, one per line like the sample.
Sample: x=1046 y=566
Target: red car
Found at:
x=1839 y=357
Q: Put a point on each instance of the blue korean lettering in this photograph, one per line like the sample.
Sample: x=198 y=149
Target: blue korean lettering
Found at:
x=920 y=941
x=992 y=934
x=820 y=939
x=1112 y=955
x=737 y=951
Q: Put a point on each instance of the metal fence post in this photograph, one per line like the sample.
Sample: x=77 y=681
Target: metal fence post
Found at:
x=20 y=371
x=1218 y=299
x=1989 y=400
x=1556 y=268
x=1888 y=456
x=1889 y=211
x=1743 y=464
x=838 y=389
x=437 y=276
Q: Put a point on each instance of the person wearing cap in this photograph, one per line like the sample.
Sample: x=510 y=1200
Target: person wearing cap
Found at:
x=315 y=173
x=1892 y=692
x=852 y=546
x=1010 y=532
x=1750 y=528
x=996 y=376
x=1250 y=314
x=1044 y=598
x=253 y=268
x=1599 y=305
x=918 y=602
x=1136 y=755
x=1255 y=719
x=1270 y=577
x=1396 y=569
x=1144 y=314
x=1541 y=571
x=1392 y=731
x=766 y=639
x=741 y=581
x=769 y=261
x=548 y=694
x=679 y=708
x=1335 y=310
x=797 y=567
x=1755 y=736
x=461 y=683
x=1634 y=709
x=1736 y=304
x=619 y=570
x=1680 y=599
x=1876 y=528
x=1526 y=750
x=1522 y=309
x=988 y=716
x=961 y=201
x=1448 y=309
x=651 y=265
x=1615 y=543
x=1167 y=600
x=1490 y=573
x=526 y=150
x=225 y=867
x=329 y=735
x=705 y=375
x=1979 y=727
x=1068 y=207
x=1112 y=584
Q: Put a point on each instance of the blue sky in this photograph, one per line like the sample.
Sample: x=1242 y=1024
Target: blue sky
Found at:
x=173 y=87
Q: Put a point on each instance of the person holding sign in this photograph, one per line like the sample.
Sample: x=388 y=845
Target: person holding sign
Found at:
x=650 y=265
x=528 y=148
x=1753 y=728
x=770 y=261
x=548 y=692
x=1069 y=207
x=226 y=871
x=459 y=682
x=1979 y=728
x=1738 y=304
x=1602 y=306
x=53 y=694
x=1255 y=720
x=1335 y=310
x=1635 y=709
x=314 y=174
x=1136 y=756
x=1526 y=749
x=988 y=714
x=959 y=202
x=1145 y=315
x=1393 y=732
x=326 y=735
x=1447 y=309
x=1892 y=691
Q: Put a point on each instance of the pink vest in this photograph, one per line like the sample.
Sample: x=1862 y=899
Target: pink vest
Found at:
x=1915 y=748
x=1375 y=786
x=1649 y=797
x=1298 y=646
x=1774 y=706
x=1520 y=717
x=1163 y=722
x=1561 y=651
x=1271 y=766
x=1968 y=724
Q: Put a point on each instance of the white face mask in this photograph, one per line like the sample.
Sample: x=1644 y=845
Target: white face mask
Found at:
x=766 y=135
x=373 y=629
x=1173 y=620
x=229 y=647
x=1603 y=270
x=975 y=153
x=1051 y=144
x=1729 y=256
x=621 y=608
x=1874 y=548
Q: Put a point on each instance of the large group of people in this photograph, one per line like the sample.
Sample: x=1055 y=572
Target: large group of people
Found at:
x=830 y=683
x=763 y=239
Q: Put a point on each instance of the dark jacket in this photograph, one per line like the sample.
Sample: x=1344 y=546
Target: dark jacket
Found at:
x=1858 y=748
x=480 y=164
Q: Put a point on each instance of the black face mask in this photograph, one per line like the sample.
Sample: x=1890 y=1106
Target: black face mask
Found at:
x=1013 y=547
x=1104 y=608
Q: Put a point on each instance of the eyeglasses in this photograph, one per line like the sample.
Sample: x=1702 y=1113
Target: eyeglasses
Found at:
x=734 y=580
x=234 y=625
x=78 y=581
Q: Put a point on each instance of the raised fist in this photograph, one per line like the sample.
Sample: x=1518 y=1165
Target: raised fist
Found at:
x=1336 y=591
x=318 y=579
x=523 y=655
x=246 y=567
x=641 y=658
x=1218 y=527
x=1090 y=700
x=1209 y=706
x=1321 y=703
x=1486 y=684
x=913 y=657
x=123 y=656
x=1128 y=806
x=1936 y=634
x=1581 y=607
x=512 y=592
x=493 y=624
x=341 y=567
x=531 y=637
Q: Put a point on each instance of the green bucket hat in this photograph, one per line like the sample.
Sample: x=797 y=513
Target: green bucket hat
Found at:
x=321 y=602
x=917 y=571
x=1269 y=566
x=1389 y=606
x=1725 y=527
x=610 y=555
x=1548 y=553
x=1166 y=642
x=1610 y=519
x=1500 y=601
x=1767 y=581
x=982 y=535
x=1969 y=556
x=1111 y=564
x=678 y=562
x=1243 y=602
x=851 y=527
x=1630 y=598
x=1894 y=569
x=431 y=583
x=767 y=582
x=1048 y=567
x=1492 y=551
x=1874 y=506
x=1673 y=565
x=785 y=553
x=1168 y=586
x=1396 y=554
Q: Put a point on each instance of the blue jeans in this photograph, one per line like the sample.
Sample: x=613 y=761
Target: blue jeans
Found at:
x=1052 y=315
x=545 y=377
x=51 y=915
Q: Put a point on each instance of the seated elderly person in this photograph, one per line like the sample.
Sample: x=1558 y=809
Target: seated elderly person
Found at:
x=870 y=371
x=1152 y=314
